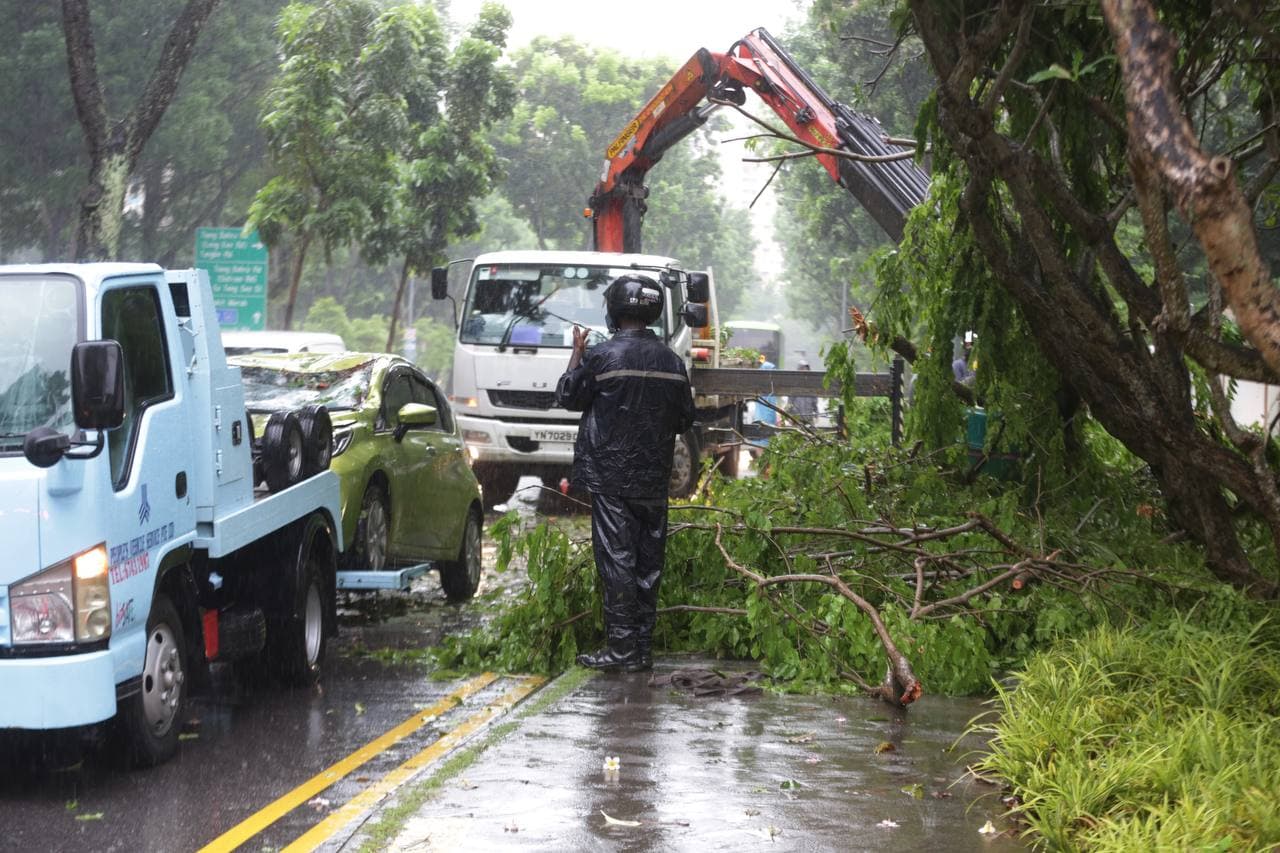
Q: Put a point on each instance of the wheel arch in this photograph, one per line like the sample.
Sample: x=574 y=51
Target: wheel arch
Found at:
x=175 y=579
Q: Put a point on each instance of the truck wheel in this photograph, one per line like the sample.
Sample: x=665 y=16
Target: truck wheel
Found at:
x=317 y=439
x=282 y=455
x=497 y=482
x=151 y=718
x=461 y=577
x=296 y=641
x=373 y=532
x=684 y=466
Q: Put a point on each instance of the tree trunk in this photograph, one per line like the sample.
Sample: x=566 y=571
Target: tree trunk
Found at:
x=1204 y=187
x=295 y=276
x=114 y=146
x=395 y=306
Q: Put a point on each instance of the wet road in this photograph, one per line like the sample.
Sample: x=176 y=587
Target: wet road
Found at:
x=787 y=771
x=718 y=773
x=249 y=744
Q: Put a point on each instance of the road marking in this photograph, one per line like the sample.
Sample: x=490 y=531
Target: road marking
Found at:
x=264 y=817
x=371 y=796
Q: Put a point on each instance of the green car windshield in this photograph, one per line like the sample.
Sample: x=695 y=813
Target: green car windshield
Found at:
x=525 y=305
x=273 y=389
x=38 y=328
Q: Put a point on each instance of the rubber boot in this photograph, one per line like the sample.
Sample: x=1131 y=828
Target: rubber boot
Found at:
x=611 y=656
x=643 y=660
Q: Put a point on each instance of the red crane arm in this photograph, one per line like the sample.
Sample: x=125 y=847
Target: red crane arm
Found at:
x=757 y=62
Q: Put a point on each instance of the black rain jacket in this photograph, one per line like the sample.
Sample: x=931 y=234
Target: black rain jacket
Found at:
x=635 y=397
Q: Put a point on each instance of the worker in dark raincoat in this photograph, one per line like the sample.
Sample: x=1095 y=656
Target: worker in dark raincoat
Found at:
x=635 y=397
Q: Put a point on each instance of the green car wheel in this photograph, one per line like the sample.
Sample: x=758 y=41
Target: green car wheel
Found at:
x=461 y=577
x=373 y=531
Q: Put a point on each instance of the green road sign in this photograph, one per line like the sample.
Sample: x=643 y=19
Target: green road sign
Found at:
x=237 y=265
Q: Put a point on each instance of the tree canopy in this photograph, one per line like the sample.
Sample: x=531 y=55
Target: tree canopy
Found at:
x=1057 y=228
x=376 y=131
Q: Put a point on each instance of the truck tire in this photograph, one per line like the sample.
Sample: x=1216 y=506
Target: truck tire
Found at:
x=296 y=640
x=685 y=466
x=373 y=532
x=497 y=482
x=461 y=577
x=151 y=718
x=282 y=453
x=317 y=439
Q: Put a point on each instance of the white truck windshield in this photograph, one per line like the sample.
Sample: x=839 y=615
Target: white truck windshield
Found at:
x=523 y=305
x=38 y=327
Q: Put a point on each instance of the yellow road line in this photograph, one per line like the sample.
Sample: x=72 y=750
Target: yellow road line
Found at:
x=264 y=817
x=371 y=796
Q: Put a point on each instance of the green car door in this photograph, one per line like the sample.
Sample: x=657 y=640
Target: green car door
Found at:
x=452 y=486
x=408 y=453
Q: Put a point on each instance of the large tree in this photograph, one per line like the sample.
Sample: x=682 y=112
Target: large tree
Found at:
x=377 y=132
x=334 y=120
x=199 y=163
x=1058 y=226
x=115 y=144
x=447 y=164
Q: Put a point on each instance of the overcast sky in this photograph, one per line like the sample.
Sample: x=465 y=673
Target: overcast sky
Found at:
x=671 y=28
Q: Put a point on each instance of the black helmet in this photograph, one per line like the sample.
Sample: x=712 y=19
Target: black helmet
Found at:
x=632 y=295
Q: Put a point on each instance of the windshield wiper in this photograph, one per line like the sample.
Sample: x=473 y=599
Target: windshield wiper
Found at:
x=20 y=436
x=527 y=313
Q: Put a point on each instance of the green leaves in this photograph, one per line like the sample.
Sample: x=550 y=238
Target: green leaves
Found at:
x=377 y=129
x=1075 y=73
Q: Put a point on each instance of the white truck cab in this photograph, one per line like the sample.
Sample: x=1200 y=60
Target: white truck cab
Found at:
x=136 y=548
x=515 y=335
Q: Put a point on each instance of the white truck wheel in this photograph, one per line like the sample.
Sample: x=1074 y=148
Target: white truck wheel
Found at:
x=152 y=717
x=685 y=466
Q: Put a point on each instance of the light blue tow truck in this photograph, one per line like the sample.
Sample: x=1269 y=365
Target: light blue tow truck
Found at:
x=136 y=549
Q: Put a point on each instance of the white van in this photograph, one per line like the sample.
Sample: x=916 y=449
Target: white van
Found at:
x=266 y=342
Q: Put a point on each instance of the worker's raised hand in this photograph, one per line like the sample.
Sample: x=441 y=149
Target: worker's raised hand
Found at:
x=580 y=336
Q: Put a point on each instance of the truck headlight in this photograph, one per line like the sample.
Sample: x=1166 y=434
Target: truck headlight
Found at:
x=65 y=603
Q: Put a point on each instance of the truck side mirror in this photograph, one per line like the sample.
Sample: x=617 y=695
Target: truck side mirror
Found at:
x=97 y=384
x=694 y=315
x=699 y=287
x=439 y=282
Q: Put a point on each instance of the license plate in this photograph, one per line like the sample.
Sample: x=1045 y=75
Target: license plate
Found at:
x=561 y=435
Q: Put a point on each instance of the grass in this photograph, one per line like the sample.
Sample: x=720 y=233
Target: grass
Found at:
x=379 y=835
x=1154 y=738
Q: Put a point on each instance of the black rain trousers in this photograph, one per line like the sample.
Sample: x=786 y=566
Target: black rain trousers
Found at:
x=629 y=537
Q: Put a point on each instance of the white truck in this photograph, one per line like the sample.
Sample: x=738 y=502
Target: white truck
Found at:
x=137 y=549
x=514 y=339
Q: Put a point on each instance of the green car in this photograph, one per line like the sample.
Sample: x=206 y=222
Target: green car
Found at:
x=408 y=494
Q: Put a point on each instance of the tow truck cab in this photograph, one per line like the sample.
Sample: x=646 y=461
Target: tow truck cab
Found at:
x=127 y=504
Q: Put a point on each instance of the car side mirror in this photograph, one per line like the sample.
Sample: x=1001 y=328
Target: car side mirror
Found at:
x=699 y=287
x=415 y=415
x=694 y=315
x=439 y=282
x=97 y=384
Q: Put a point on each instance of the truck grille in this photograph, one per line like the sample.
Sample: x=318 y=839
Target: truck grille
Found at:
x=523 y=399
x=4 y=616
